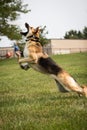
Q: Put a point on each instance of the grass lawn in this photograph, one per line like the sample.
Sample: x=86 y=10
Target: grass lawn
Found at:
x=30 y=100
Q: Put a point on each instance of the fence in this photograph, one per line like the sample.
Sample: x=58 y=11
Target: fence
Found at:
x=4 y=51
x=54 y=51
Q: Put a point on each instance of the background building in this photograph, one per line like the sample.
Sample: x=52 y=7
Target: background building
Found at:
x=56 y=46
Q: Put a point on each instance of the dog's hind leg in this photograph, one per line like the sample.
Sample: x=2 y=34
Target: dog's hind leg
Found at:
x=70 y=84
x=60 y=87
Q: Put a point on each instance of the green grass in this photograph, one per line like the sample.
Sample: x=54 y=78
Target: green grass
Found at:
x=30 y=100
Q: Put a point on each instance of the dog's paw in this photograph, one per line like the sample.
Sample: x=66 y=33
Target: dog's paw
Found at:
x=84 y=90
x=24 y=66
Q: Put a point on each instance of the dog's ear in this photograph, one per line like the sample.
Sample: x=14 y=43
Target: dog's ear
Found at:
x=37 y=30
x=23 y=33
x=27 y=26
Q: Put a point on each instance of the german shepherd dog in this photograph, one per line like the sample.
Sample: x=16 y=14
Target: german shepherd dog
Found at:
x=35 y=58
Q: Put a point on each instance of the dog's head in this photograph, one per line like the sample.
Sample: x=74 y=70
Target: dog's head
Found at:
x=31 y=32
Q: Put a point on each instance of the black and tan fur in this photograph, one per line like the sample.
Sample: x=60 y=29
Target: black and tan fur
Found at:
x=40 y=61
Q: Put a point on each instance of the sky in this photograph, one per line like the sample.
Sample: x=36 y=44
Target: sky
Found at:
x=59 y=16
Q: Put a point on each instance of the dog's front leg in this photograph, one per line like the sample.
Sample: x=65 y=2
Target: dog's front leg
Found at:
x=23 y=60
x=25 y=63
x=28 y=60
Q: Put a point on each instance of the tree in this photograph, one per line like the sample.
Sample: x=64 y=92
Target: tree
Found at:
x=73 y=34
x=9 y=11
x=85 y=32
x=80 y=35
x=43 y=39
